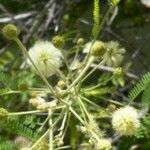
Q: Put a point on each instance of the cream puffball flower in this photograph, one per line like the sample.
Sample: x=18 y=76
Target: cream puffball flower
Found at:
x=46 y=57
x=125 y=121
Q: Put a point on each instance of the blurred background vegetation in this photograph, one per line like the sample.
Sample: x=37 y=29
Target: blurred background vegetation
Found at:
x=42 y=19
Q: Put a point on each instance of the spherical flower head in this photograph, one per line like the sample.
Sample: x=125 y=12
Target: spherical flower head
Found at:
x=114 y=53
x=104 y=144
x=10 y=31
x=46 y=57
x=58 y=41
x=125 y=121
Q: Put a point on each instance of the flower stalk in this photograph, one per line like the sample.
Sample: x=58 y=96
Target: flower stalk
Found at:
x=81 y=74
x=50 y=129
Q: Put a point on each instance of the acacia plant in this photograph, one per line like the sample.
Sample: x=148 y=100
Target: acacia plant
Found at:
x=64 y=112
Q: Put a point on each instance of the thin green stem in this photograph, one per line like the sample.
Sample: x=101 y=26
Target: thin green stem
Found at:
x=98 y=85
x=84 y=108
x=76 y=115
x=24 y=112
x=50 y=130
x=83 y=113
x=36 y=143
x=65 y=129
x=67 y=65
x=99 y=64
x=113 y=101
x=90 y=102
x=76 y=54
x=81 y=74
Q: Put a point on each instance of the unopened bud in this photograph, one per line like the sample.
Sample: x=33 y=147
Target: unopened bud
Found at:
x=80 y=41
x=111 y=107
x=98 y=49
x=58 y=41
x=10 y=31
x=61 y=84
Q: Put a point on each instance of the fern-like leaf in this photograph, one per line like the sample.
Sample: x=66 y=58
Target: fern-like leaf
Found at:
x=16 y=125
x=146 y=97
x=140 y=86
x=96 y=19
x=8 y=145
x=143 y=131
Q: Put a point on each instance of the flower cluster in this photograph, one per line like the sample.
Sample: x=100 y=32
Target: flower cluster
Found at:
x=111 y=51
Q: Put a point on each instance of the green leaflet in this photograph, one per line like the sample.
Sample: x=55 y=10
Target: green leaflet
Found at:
x=143 y=131
x=146 y=98
x=140 y=86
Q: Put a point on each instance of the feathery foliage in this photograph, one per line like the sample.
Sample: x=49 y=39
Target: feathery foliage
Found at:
x=7 y=145
x=20 y=126
x=144 y=131
x=140 y=86
x=96 y=19
x=146 y=97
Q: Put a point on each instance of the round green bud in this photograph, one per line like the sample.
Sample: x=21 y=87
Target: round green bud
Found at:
x=58 y=41
x=10 y=31
x=61 y=84
x=3 y=113
x=111 y=107
x=98 y=49
x=80 y=41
